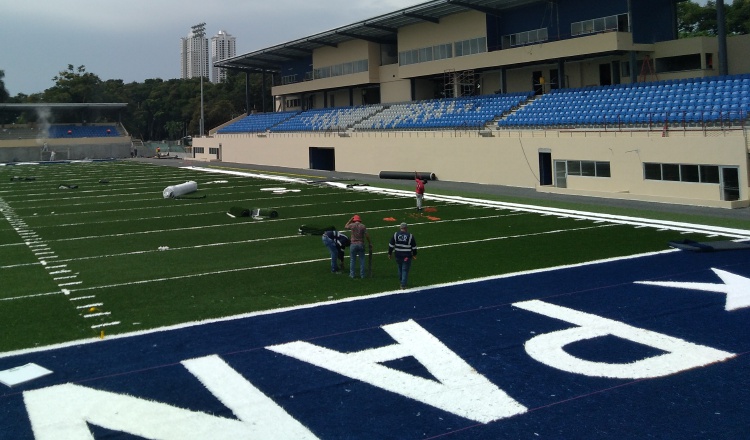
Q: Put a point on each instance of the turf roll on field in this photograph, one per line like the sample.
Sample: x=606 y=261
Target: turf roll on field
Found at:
x=265 y=213
x=173 y=191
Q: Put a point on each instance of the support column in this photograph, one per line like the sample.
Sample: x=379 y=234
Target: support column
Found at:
x=722 y=31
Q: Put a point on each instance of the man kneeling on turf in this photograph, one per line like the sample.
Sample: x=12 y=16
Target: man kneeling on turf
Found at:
x=336 y=242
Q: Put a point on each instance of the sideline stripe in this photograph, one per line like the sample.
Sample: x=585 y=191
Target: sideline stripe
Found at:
x=567 y=213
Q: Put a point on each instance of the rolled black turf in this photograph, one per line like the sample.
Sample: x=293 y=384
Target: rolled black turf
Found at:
x=407 y=175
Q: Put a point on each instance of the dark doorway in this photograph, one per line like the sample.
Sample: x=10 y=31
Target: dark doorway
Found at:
x=554 y=79
x=616 y=72
x=545 y=168
x=537 y=82
x=322 y=159
x=605 y=74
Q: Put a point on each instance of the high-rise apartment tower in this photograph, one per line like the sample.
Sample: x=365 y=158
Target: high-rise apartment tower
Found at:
x=222 y=47
x=194 y=54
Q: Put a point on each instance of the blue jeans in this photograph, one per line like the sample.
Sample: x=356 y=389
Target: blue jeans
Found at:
x=404 y=264
x=357 y=251
x=331 y=245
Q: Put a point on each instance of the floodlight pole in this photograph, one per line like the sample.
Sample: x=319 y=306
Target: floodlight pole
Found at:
x=199 y=30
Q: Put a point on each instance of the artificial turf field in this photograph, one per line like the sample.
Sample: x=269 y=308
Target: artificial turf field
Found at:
x=195 y=305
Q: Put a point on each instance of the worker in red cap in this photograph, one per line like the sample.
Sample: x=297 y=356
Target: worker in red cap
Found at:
x=357 y=248
x=419 y=190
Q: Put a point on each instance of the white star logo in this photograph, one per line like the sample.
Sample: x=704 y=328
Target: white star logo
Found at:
x=736 y=288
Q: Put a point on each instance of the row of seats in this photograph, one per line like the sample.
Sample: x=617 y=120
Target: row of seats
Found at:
x=82 y=131
x=464 y=112
x=327 y=119
x=684 y=101
x=257 y=122
x=688 y=101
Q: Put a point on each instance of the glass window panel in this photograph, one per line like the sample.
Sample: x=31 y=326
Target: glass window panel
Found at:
x=598 y=25
x=610 y=23
x=652 y=171
x=588 y=168
x=459 y=49
x=474 y=46
x=709 y=174
x=689 y=173
x=543 y=35
x=602 y=169
x=670 y=172
x=588 y=26
x=482 y=44
x=576 y=28
x=574 y=167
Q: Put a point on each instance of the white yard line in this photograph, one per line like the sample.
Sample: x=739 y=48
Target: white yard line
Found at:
x=35 y=243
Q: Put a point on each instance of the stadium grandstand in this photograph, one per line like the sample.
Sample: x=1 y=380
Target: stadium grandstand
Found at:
x=47 y=138
x=575 y=97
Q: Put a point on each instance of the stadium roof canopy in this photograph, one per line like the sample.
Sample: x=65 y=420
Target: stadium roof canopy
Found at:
x=381 y=29
x=64 y=106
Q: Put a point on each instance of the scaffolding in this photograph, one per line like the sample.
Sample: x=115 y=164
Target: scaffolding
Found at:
x=647 y=70
x=457 y=84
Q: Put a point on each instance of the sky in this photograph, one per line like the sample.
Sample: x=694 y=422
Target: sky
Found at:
x=135 y=40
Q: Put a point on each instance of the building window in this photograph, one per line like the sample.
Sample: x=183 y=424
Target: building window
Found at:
x=213 y=150
x=425 y=54
x=198 y=150
x=588 y=168
x=349 y=68
x=470 y=47
x=681 y=172
x=602 y=24
x=289 y=79
x=523 y=38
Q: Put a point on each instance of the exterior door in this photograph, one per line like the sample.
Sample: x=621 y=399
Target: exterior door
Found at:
x=730 y=183
x=561 y=174
x=545 y=168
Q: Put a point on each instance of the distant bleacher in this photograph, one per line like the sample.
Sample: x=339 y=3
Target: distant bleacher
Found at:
x=687 y=102
x=82 y=131
x=340 y=118
x=470 y=112
x=696 y=101
x=257 y=122
x=59 y=131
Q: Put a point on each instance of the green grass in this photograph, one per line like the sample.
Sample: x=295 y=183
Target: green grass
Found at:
x=107 y=237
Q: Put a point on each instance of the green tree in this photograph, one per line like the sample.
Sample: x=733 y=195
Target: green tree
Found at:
x=173 y=129
x=738 y=20
x=157 y=109
x=695 y=20
x=4 y=95
x=75 y=85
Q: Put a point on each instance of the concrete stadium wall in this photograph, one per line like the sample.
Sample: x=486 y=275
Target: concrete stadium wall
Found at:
x=511 y=158
x=23 y=150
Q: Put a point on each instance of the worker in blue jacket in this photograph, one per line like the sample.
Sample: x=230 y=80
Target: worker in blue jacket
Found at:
x=336 y=242
x=404 y=246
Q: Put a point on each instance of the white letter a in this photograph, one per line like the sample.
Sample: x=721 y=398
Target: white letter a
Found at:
x=459 y=389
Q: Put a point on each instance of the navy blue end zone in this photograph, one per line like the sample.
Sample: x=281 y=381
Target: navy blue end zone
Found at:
x=486 y=325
